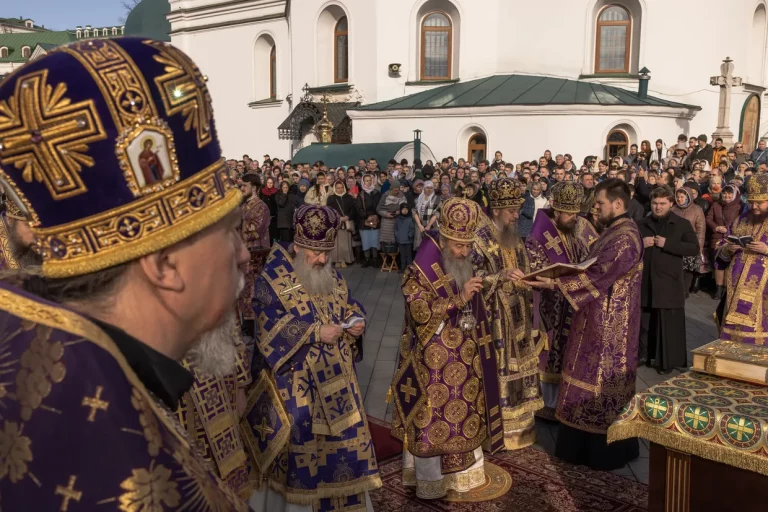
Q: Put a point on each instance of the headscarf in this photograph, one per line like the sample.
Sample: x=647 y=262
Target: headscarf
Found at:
x=445 y=192
x=305 y=182
x=733 y=190
x=423 y=201
x=371 y=187
x=688 y=197
x=342 y=184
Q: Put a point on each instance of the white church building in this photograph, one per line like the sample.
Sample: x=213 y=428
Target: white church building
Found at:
x=476 y=76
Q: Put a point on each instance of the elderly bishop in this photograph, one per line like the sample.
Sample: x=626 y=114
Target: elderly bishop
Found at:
x=559 y=235
x=510 y=356
x=440 y=412
x=305 y=426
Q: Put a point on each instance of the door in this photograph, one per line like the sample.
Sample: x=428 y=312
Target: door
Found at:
x=750 y=122
x=477 y=148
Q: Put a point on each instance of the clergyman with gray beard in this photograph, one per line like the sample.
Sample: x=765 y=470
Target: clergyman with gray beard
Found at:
x=17 y=242
x=308 y=336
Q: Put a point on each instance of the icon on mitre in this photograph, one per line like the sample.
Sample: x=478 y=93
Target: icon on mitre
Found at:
x=148 y=158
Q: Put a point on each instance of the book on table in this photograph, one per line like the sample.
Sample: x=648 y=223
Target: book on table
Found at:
x=733 y=360
x=561 y=270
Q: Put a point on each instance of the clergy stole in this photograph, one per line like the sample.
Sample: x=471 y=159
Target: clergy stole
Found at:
x=601 y=353
x=747 y=284
x=440 y=408
x=7 y=261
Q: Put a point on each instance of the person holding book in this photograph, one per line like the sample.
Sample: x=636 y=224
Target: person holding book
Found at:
x=559 y=235
x=512 y=382
x=600 y=363
x=667 y=238
x=744 y=316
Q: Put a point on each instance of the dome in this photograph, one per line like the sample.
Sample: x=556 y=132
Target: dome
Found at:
x=148 y=19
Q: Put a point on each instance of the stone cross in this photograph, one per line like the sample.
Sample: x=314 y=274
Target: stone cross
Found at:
x=726 y=81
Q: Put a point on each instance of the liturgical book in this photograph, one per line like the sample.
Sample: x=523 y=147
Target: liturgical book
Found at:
x=561 y=270
x=733 y=360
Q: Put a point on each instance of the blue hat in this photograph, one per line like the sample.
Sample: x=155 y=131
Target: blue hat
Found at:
x=111 y=148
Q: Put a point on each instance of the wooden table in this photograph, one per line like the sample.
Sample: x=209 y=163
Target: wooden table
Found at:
x=709 y=443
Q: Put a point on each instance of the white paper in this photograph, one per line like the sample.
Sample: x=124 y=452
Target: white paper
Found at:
x=353 y=321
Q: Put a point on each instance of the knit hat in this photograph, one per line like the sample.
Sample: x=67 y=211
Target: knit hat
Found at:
x=393 y=183
x=703 y=137
x=305 y=182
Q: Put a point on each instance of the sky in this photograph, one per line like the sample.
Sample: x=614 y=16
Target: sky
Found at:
x=66 y=14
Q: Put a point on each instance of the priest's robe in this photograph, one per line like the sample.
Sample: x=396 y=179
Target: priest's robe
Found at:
x=79 y=430
x=209 y=414
x=7 y=260
x=255 y=233
x=746 y=280
x=304 y=425
x=546 y=246
x=600 y=363
x=440 y=412
x=515 y=344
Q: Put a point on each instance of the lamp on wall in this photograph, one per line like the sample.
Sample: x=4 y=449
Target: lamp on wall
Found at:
x=394 y=69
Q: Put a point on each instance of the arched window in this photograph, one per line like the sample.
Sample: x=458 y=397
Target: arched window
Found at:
x=114 y=31
x=436 y=47
x=273 y=73
x=79 y=34
x=477 y=148
x=617 y=144
x=614 y=32
x=26 y=51
x=87 y=33
x=341 y=51
x=3 y=52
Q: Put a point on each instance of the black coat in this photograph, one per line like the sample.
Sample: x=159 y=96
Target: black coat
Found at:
x=366 y=206
x=286 y=205
x=345 y=205
x=663 y=284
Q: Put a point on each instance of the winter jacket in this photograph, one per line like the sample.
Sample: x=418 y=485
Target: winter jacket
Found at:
x=717 y=154
x=286 y=205
x=759 y=156
x=722 y=214
x=656 y=157
x=405 y=229
x=525 y=221
x=699 y=153
x=694 y=214
x=366 y=204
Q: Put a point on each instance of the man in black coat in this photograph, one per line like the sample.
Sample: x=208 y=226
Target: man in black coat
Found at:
x=667 y=238
x=703 y=151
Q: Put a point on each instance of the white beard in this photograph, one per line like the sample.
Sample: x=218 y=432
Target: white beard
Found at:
x=215 y=354
x=316 y=281
x=460 y=270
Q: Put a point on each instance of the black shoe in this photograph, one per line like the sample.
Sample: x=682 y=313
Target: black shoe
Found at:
x=366 y=263
x=663 y=372
x=695 y=285
x=719 y=293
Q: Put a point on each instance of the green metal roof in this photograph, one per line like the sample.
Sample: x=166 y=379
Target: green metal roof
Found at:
x=148 y=19
x=15 y=42
x=334 y=155
x=521 y=90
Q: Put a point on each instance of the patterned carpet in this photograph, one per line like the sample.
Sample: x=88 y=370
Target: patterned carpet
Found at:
x=540 y=483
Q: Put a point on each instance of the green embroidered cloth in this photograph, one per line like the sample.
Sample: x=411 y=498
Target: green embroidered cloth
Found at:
x=711 y=417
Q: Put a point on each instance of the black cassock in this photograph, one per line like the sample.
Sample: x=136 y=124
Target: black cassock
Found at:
x=662 y=331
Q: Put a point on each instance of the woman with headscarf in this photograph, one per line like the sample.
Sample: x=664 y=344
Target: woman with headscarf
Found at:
x=342 y=202
x=354 y=190
x=425 y=212
x=685 y=207
x=719 y=217
x=445 y=192
x=318 y=194
x=268 y=194
x=388 y=209
x=712 y=195
x=286 y=205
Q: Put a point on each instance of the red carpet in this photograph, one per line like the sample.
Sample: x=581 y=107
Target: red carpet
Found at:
x=540 y=483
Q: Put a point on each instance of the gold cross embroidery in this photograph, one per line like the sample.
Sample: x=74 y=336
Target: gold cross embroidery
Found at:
x=68 y=493
x=95 y=403
x=696 y=416
x=46 y=136
x=657 y=408
x=408 y=390
x=442 y=281
x=183 y=90
x=129 y=227
x=485 y=341
x=740 y=429
x=553 y=243
x=493 y=248
x=290 y=286
x=263 y=430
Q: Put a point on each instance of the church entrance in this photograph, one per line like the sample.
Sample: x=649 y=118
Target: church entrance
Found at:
x=750 y=123
x=477 y=148
x=617 y=144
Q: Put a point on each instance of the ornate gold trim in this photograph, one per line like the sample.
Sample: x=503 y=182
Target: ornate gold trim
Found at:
x=676 y=441
x=6 y=253
x=138 y=228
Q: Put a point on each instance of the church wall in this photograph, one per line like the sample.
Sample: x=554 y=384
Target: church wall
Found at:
x=226 y=56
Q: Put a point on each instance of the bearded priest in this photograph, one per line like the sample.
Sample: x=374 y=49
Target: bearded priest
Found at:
x=440 y=412
x=305 y=426
x=510 y=357
x=559 y=235
x=600 y=363
x=746 y=309
x=17 y=242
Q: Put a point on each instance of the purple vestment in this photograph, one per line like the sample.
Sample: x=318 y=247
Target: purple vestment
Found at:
x=600 y=361
x=745 y=318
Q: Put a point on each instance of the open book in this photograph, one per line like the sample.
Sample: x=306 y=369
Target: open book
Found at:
x=740 y=240
x=561 y=270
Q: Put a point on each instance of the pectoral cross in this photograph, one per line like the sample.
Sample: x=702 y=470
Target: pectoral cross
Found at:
x=408 y=390
x=95 y=403
x=68 y=493
x=553 y=243
x=47 y=136
x=263 y=430
x=725 y=81
x=290 y=286
x=485 y=342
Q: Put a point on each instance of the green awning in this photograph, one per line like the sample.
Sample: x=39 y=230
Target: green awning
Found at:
x=335 y=155
x=500 y=90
